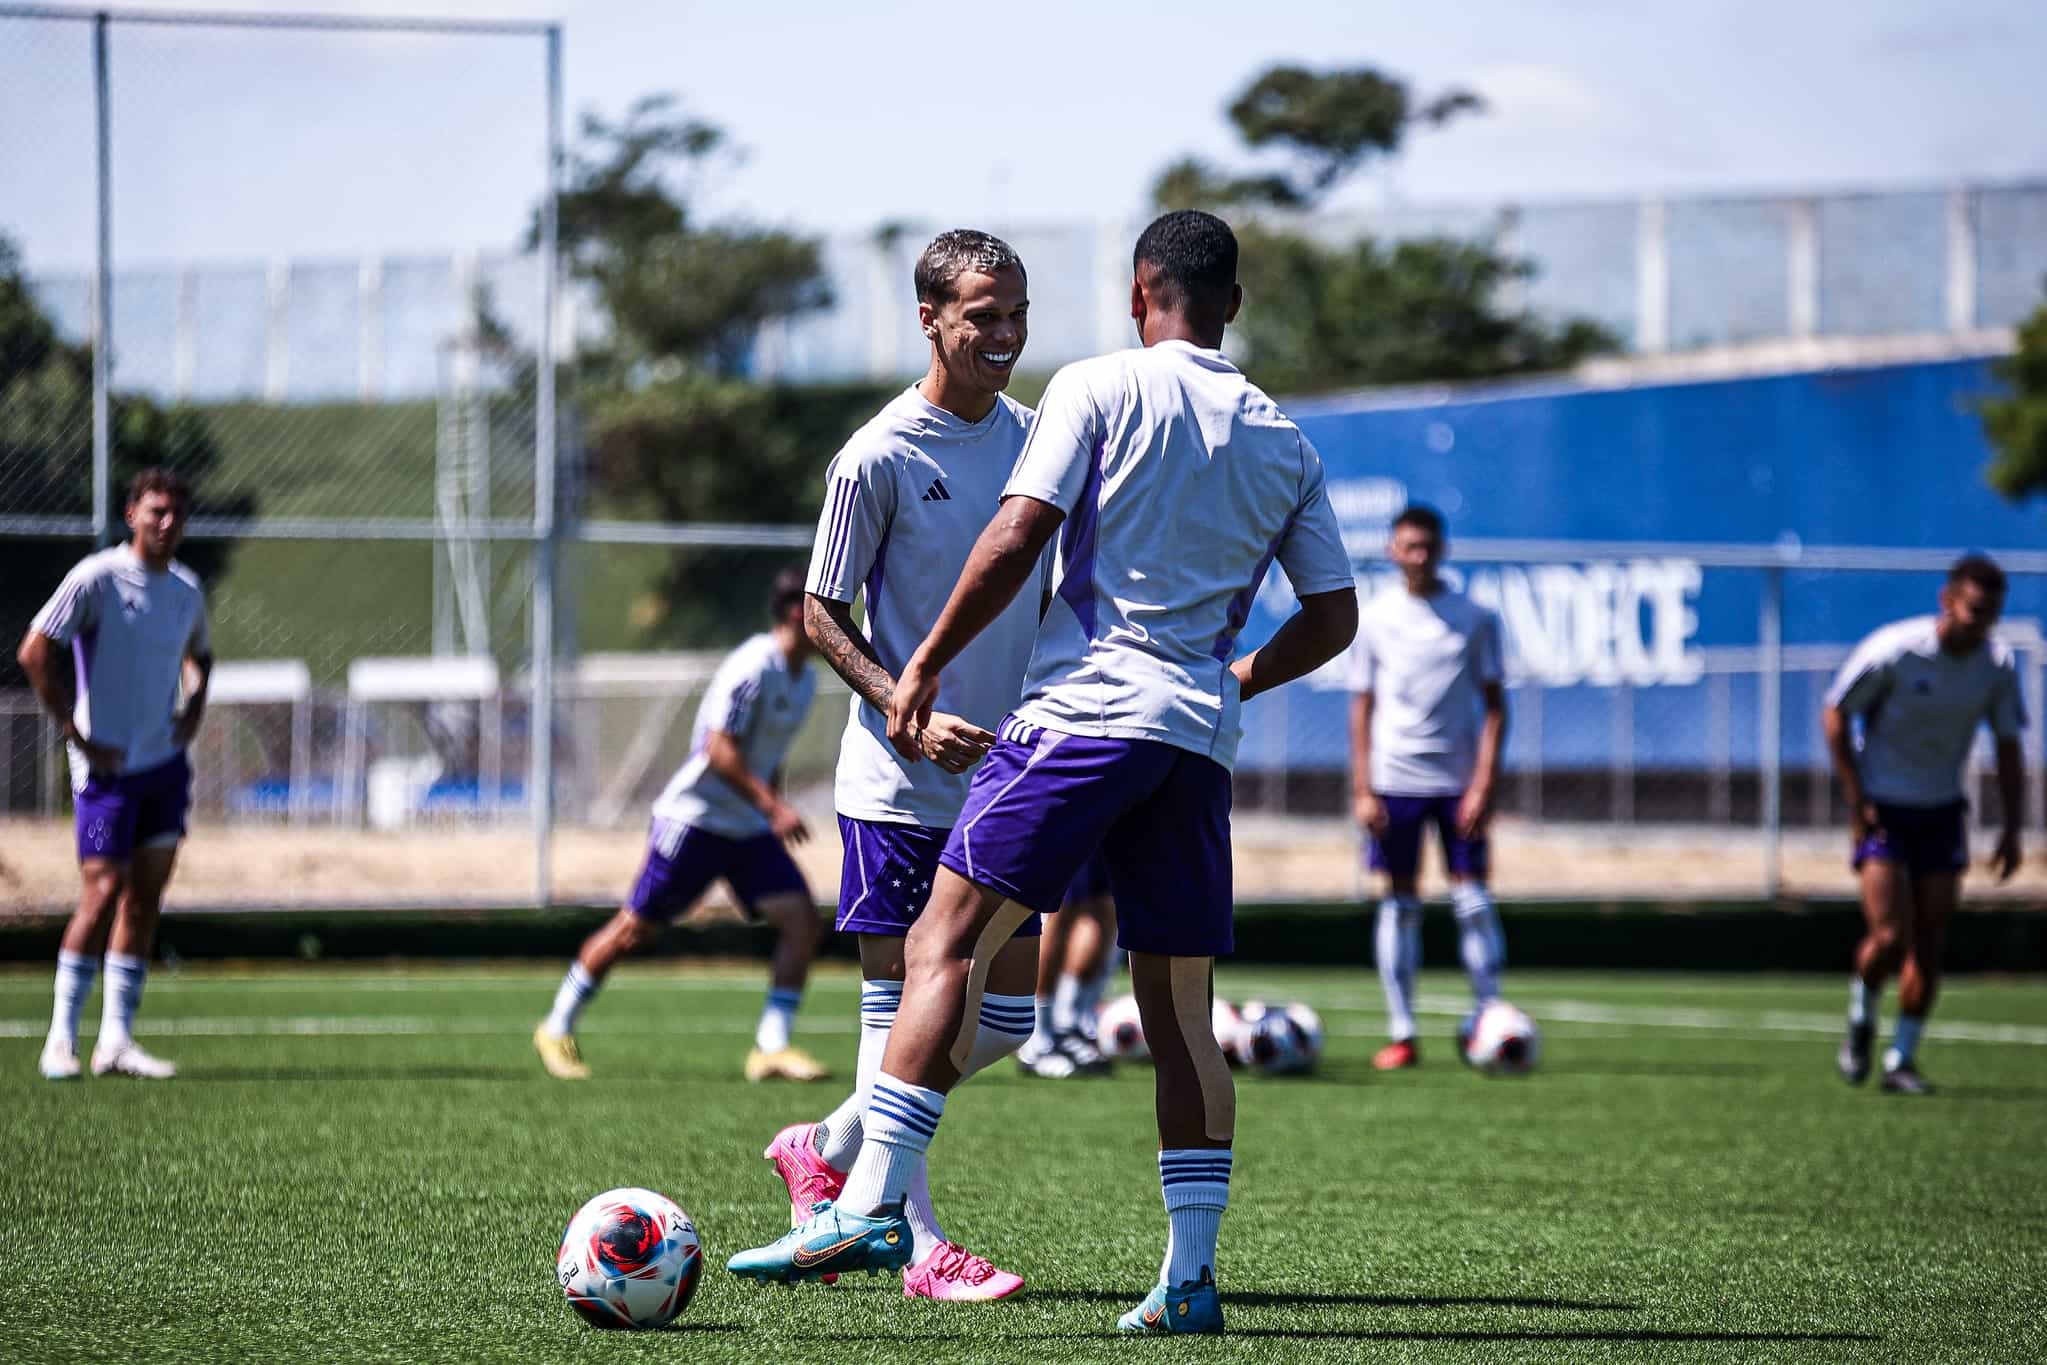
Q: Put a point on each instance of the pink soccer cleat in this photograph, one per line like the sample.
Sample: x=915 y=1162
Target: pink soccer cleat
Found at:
x=810 y=1180
x=952 y=1274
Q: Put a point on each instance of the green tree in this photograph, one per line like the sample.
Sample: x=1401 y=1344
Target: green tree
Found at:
x=1321 y=316
x=46 y=461
x=673 y=428
x=2017 y=424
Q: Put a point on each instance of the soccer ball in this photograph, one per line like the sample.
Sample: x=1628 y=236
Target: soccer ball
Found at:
x=1503 y=1041
x=1285 y=1040
x=1232 y=1031
x=630 y=1258
x=1121 y=1031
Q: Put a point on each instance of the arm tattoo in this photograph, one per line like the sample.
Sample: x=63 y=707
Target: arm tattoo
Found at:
x=848 y=651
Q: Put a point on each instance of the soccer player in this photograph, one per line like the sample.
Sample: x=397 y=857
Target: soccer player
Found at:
x=1428 y=719
x=1075 y=959
x=133 y=621
x=1920 y=687
x=904 y=500
x=1172 y=483
x=721 y=816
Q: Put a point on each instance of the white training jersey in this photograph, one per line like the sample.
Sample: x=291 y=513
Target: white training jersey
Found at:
x=1181 y=483
x=130 y=629
x=1920 y=707
x=905 y=499
x=759 y=700
x=1426 y=661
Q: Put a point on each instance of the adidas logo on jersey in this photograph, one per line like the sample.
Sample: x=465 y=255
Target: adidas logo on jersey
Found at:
x=936 y=492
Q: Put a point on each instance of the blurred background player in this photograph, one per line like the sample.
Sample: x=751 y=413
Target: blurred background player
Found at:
x=1921 y=687
x=721 y=816
x=132 y=621
x=1076 y=957
x=904 y=500
x=1177 y=482
x=1428 y=721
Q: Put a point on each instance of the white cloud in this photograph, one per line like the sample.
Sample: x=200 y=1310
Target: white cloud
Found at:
x=1539 y=96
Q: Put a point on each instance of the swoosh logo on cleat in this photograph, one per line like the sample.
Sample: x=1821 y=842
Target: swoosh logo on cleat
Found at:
x=806 y=1258
x=1154 y=1314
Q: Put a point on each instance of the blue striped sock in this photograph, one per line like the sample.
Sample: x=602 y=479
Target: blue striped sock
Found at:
x=569 y=998
x=897 y=1129
x=839 y=1135
x=1196 y=1183
x=1007 y=1022
x=772 y=1035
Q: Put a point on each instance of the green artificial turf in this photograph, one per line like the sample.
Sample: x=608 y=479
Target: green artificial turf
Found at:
x=369 y=1164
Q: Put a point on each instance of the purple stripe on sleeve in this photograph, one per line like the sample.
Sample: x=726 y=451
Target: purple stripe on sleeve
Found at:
x=841 y=534
x=1077 y=548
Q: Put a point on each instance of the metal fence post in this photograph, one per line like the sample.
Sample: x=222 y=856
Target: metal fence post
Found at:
x=1770 y=717
x=540 y=780
x=102 y=292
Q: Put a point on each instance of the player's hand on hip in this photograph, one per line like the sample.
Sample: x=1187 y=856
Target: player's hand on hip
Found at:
x=99 y=758
x=1474 y=812
x=909 y=707
x=1863 y=822
x=954 y=743
x=1370 y=812
x=2005 y=858
x=787 y=825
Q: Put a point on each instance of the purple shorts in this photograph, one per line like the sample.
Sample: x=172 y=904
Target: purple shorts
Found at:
x=682 y=861
x=886 y=877
x=1160 y=815
x=1398 y=852
x=1926 y=839
x=117 y=815
x=1091 y=883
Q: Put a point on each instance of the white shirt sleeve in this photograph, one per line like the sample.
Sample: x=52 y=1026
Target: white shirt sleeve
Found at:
x=1060 y=451
x=1864 y=680
x=735 y=687
x=1364 y=669
x=2007 y=713
x=859 y=506
x=1311 y=548
x=71 y=609
x=1488 y=653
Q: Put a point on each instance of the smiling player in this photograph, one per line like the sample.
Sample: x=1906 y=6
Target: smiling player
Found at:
x=904 y=500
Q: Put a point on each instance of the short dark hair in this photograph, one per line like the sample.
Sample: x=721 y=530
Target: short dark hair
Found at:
x=1981 y=570
x=955 y=252
x=786 y=593
x=1195 y=255
x=157 y=479
x=1422 y=517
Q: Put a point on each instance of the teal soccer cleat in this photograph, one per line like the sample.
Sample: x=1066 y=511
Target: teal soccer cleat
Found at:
x=829 y=1242
x=1190 y=1307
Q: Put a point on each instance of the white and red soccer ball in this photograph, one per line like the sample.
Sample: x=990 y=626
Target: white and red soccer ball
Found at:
x=630 y=1258
x=1501 y=1040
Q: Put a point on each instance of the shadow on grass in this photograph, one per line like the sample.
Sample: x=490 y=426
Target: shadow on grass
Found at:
x=1561 y=1334
x=365 y=1073
x=1266 y=1299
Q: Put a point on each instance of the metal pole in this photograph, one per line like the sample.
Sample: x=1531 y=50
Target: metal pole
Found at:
x=1770 y=718
x=541 y=759
x=102 y=294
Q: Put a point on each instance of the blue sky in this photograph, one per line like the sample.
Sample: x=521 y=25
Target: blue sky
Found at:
x=234 y=145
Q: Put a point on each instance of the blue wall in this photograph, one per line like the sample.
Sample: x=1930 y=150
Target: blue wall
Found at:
x=1882 y=456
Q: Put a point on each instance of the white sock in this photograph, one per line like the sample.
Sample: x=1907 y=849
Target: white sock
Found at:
x=1479 y=939
x=772 y=1033
x=569 y=998
x=1005 y=1027
x=1863 y=1000
x=900 y=1122
x=925 y=1234
x=1066 y=1002
x=1904 y=1041
x=75 y=972
x=1090 y=1002
x=838 y=1138
x=125 y=978
x=1041 y=1018
x=1196 y=1183
x=1400 y=920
